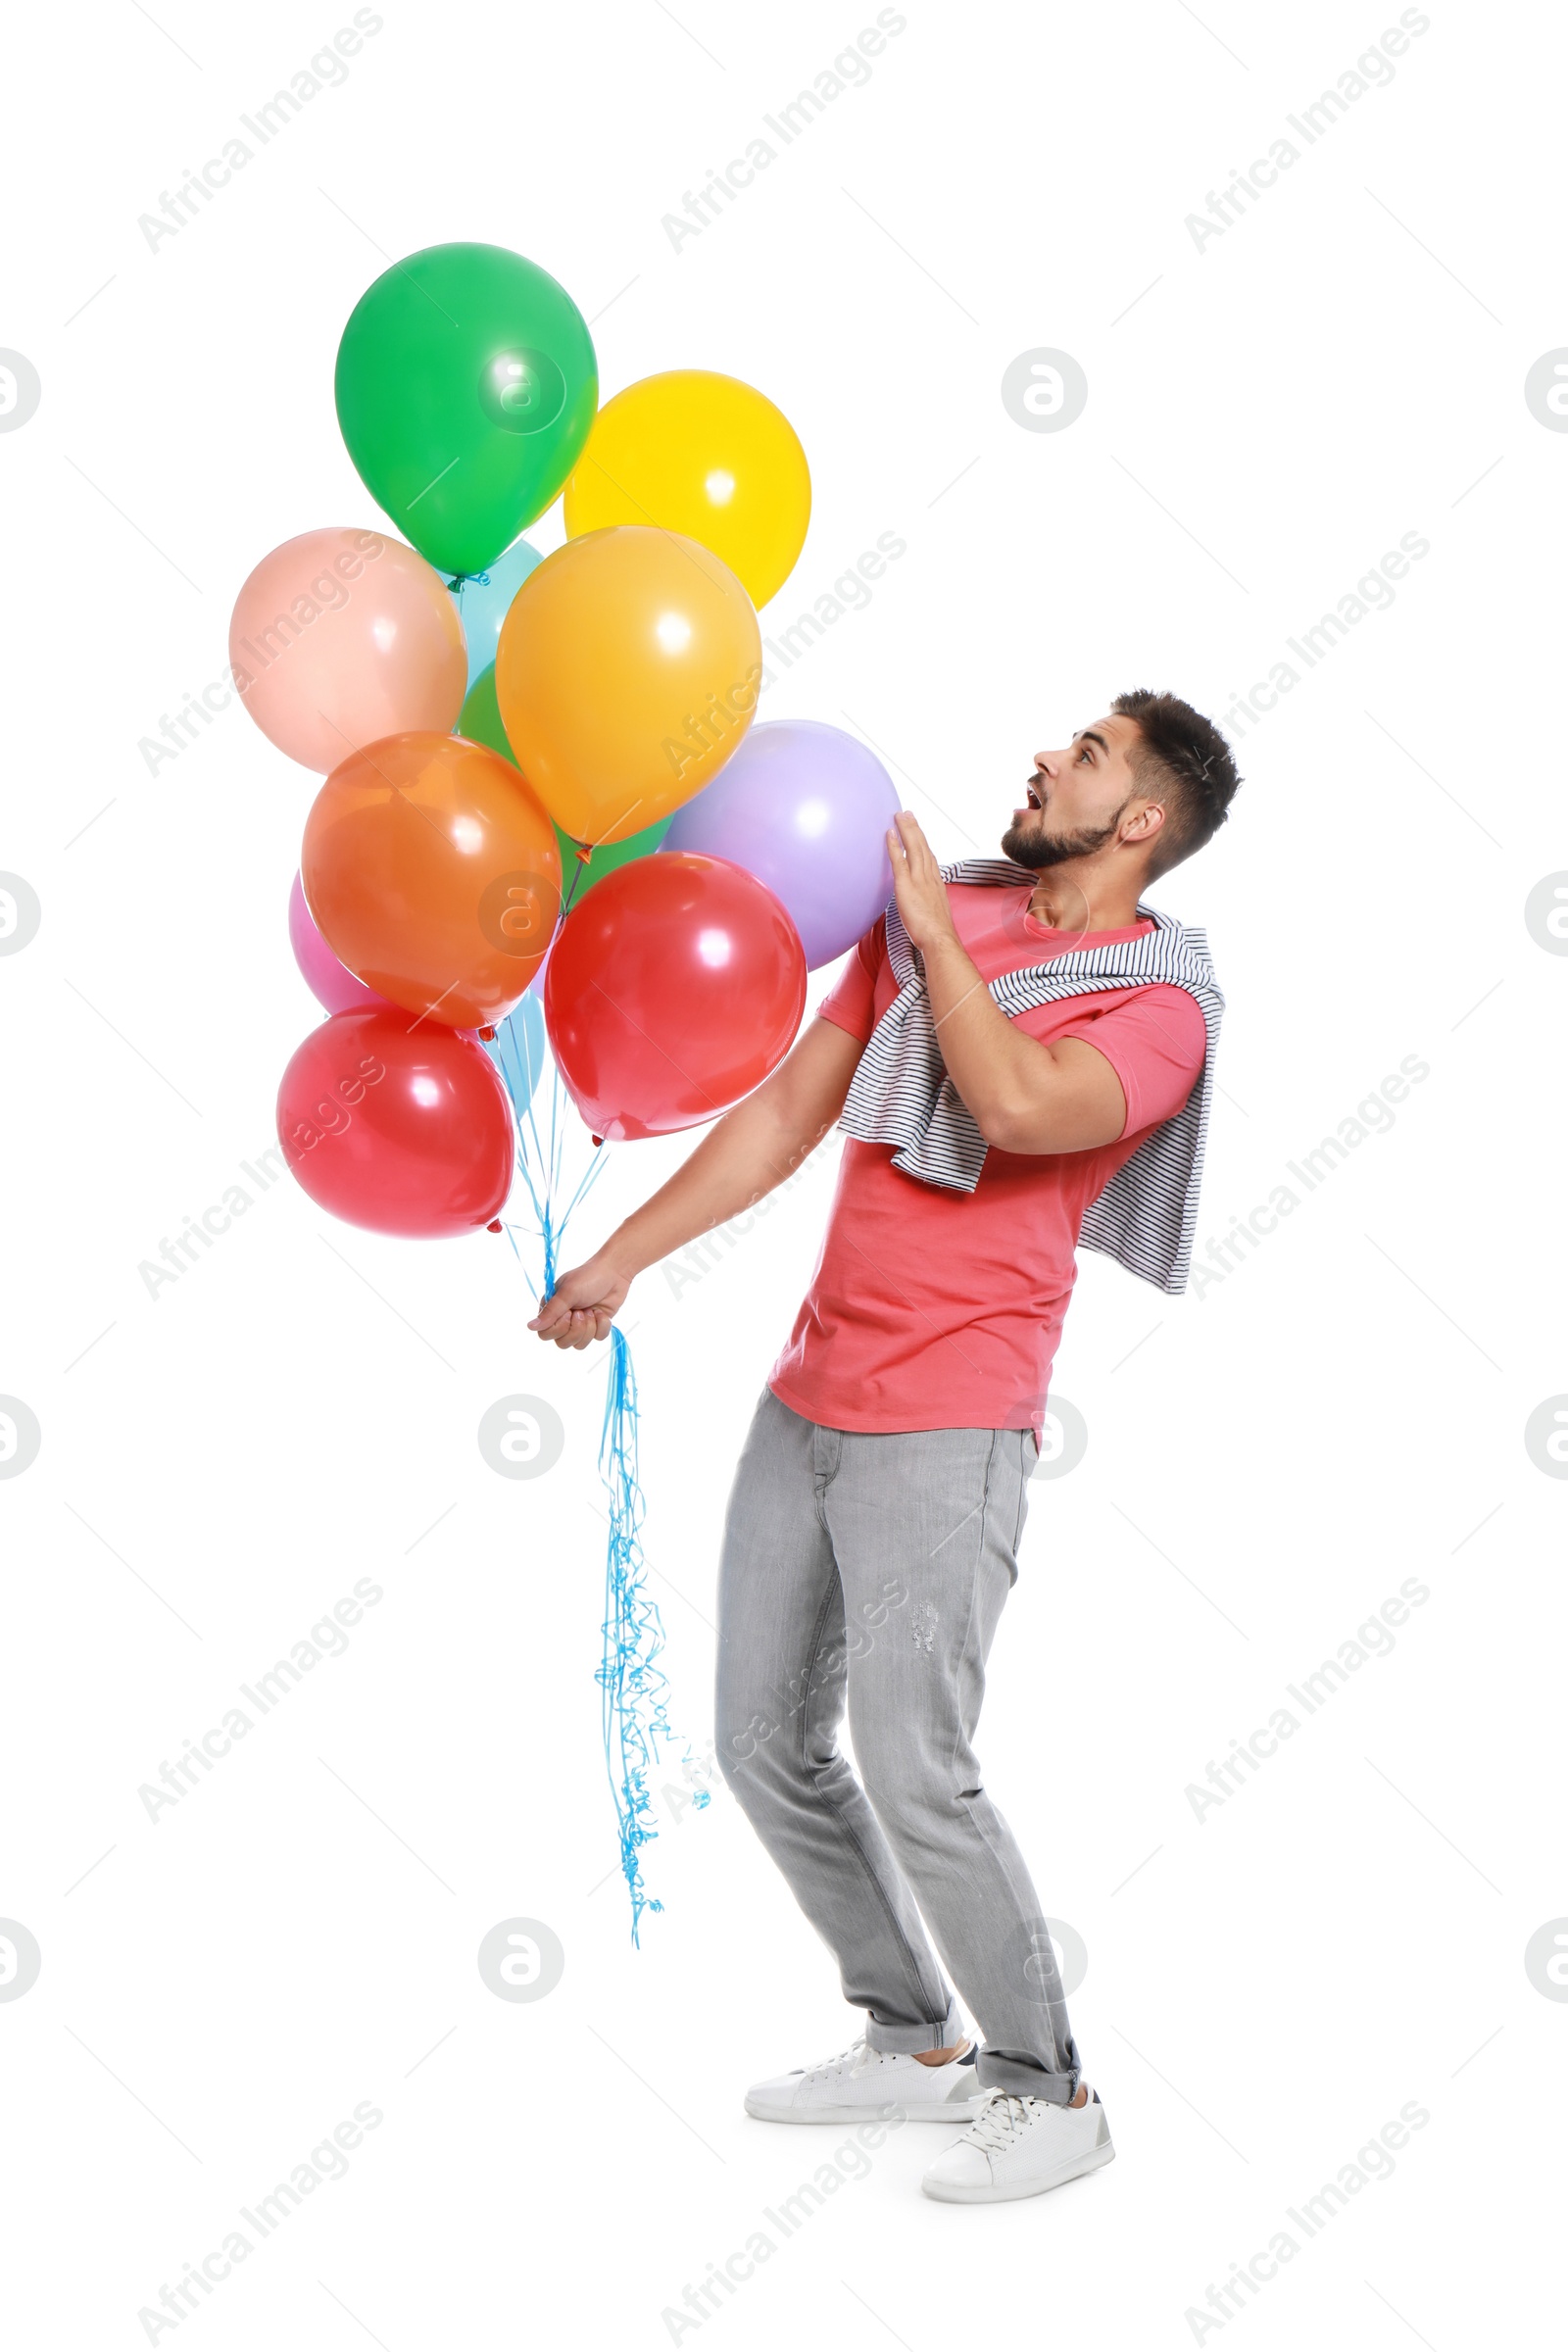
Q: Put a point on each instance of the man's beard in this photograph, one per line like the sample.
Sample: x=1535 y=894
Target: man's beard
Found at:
x=1041 y=849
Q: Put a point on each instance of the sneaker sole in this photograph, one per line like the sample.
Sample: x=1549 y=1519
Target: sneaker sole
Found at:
x=960 y=2110
x=949 y=2193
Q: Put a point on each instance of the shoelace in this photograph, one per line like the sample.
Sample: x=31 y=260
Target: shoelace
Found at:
x=855 y=2054
x=1000 y=2122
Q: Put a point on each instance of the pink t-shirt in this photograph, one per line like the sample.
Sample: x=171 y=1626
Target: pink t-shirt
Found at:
x=936 y=1309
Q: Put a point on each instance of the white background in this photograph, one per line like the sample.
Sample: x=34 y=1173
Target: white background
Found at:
x=1342 y=1412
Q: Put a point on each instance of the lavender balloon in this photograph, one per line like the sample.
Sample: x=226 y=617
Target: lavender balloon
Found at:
x=805 y=808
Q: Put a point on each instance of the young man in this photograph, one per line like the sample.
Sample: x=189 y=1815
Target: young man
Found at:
x=1020 y=1052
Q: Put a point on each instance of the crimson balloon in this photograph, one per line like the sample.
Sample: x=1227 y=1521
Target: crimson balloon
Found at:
x=673 y=987
x=397 y=1124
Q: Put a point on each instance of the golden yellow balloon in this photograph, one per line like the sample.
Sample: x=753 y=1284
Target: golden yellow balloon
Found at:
x=626 y=674
x=705 y=454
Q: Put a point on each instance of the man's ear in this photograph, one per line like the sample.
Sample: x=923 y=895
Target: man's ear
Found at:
x=1143 y=823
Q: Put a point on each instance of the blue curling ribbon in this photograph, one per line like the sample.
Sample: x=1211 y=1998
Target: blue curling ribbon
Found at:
x=632 y=1687
x=635 y=1721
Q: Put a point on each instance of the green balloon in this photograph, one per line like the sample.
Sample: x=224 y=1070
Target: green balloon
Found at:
x=480 y=721
x=480 y=716
x=466 y=387
x=604 y=861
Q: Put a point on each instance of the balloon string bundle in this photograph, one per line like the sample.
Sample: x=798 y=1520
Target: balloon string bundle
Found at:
x=635 y=1721
x=519 y=1053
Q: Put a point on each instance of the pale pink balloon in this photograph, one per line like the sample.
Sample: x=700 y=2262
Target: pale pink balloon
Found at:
x=329 y=982
x=340 y=637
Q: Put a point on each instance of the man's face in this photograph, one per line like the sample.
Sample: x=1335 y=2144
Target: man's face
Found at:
x=1077 y=797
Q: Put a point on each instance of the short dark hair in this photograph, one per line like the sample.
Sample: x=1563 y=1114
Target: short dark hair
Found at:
x=1182 y=754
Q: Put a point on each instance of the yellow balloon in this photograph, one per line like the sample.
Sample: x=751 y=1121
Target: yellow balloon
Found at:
x=626 y=674
x=701 y=454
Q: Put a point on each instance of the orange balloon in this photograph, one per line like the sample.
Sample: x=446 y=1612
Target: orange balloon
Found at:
x=340 y=637
x=626 y=676
x=433 y=873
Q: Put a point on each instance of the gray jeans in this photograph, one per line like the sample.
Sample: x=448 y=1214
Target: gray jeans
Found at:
x=870 y=1572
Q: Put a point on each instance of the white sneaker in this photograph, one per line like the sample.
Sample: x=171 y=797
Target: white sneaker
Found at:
x=860 y=2082
x=1018 y=2148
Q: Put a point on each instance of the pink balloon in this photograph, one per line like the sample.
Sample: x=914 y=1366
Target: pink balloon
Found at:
x=329 y=982
x=341 y=637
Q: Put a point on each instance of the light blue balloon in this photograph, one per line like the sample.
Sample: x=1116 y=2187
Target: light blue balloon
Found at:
x=485 y=603
x=519 y=1052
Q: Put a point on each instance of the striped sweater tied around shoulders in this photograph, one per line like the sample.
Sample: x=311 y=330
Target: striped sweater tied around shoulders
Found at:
x=1147 y=1217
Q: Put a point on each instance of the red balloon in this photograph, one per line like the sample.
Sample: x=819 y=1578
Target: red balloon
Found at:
x=672 y=989
x=397 y=1124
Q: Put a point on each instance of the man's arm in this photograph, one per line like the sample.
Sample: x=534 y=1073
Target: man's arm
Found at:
x=1023 y=1095
x=750 y=1152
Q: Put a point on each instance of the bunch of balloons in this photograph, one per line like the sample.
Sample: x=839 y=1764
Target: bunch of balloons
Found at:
x=545 y=805
x=541 y=774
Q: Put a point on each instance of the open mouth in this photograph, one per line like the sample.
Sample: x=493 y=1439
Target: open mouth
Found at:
x=1033 y=790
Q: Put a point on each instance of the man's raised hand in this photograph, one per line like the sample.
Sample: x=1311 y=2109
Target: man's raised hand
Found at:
x=917 y=884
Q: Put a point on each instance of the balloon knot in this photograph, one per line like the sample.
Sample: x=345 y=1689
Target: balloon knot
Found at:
x=493 y=1226
x=584 y=857
x=488 y=1035
x=598 y=1139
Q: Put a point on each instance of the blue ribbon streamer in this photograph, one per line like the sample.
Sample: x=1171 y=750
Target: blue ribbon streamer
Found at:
x=635 y=1720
